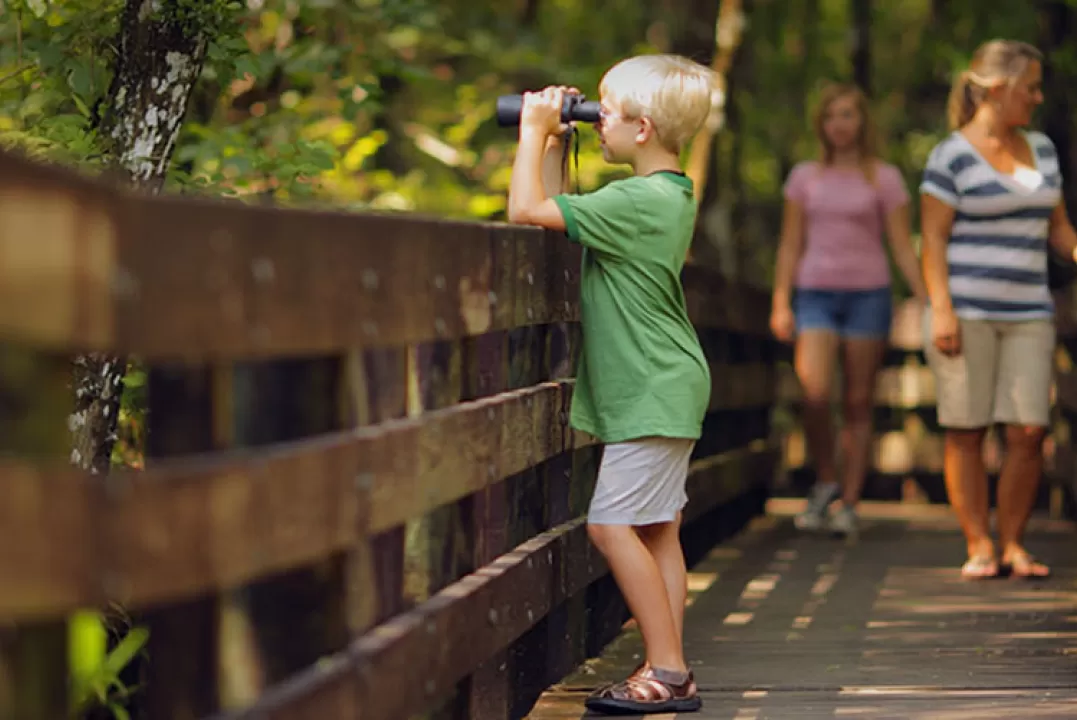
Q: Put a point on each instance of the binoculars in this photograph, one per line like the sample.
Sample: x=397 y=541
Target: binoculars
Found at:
x=575 y=108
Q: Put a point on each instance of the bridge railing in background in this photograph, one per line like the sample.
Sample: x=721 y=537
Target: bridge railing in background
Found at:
x=361 y=496
x=908 y=450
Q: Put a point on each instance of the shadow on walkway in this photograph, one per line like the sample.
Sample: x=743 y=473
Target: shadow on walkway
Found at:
x=785 y=625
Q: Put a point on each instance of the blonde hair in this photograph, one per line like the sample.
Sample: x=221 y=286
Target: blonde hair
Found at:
x=996 y=62
x=676 y=93
x=867 y=143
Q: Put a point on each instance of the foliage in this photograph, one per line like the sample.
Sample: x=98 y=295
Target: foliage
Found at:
x=95 y=670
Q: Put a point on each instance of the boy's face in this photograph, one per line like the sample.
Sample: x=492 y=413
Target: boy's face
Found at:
x=617 y=134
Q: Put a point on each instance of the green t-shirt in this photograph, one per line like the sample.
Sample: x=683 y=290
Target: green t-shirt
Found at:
x=642 y=371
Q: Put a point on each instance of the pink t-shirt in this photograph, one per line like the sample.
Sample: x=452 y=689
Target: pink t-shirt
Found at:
x=843 y=224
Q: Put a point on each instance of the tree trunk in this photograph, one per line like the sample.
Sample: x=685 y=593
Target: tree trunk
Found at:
x=861 y=36
x=157 y=64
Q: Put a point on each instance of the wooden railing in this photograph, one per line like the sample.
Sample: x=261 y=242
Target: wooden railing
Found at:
x=361 y=495
x=907 y=451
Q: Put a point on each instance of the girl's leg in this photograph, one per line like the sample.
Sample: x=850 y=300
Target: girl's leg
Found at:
x=861 y=360
x=815 y=358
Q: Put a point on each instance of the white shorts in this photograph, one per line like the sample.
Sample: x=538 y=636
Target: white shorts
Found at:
x=641 y=482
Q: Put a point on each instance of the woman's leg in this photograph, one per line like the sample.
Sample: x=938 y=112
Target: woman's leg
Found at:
x=1023 y=402
x=965 y=390
x=1017 y=484
x=966 y=488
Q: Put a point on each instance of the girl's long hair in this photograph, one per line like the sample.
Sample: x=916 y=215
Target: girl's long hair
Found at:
x=867 y=142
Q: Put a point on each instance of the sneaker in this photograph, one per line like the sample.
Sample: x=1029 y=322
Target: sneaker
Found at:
x=814 y=516
x=843 y=522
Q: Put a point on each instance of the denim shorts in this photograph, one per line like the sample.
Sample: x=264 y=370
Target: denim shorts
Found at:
x=847 y=313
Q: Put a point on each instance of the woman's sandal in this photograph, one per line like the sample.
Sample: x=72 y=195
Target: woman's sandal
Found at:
x=647 y=690
x=980 y=567
x=1024 y=566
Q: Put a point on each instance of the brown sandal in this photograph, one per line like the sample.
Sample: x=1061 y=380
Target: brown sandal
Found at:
x=647 y=690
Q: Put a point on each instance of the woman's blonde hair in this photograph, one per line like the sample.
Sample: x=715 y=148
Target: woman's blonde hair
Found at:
x=674 y=92
x=867 y=143
x=996 y=62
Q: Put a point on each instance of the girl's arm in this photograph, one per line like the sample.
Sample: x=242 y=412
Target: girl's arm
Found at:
x=900 y=240
x=790 y=248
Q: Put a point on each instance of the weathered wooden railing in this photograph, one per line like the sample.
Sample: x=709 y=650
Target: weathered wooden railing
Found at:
x=907 y=454
x=361 y=496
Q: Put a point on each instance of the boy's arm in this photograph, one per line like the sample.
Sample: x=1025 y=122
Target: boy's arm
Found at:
x=529 y=197
x=555 y=165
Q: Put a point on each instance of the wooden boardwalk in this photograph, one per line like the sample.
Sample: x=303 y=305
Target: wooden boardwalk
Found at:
x=783 y=625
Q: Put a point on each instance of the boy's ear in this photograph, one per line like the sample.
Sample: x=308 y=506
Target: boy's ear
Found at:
x=646 y=130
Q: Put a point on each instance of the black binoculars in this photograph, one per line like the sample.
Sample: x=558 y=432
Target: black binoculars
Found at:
x=575 y=108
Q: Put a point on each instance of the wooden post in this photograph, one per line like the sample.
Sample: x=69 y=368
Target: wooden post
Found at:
x=181 y=675
x=34 y=392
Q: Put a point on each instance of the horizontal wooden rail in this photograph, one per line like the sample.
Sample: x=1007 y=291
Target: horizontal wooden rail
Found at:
x=191 y=526
x=403 y=667
x=240 y=282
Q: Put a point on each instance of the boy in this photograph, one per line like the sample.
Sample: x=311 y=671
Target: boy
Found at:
x=643 y=383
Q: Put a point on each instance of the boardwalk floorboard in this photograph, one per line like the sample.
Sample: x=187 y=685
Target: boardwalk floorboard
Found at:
x=785 y=625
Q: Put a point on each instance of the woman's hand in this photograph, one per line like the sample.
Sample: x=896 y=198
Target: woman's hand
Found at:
x=945 y=331
x=782 y=322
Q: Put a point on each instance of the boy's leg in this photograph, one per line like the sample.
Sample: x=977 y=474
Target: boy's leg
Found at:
x=634 y=512
x=663 y=541
x=644 y=588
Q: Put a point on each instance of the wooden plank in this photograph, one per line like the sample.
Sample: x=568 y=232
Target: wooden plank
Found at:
x=719 y=478
x=715 y=302
x=742 y=385
x=58 y=236
x=260 y=282
x=445 y=638
x=187 y=527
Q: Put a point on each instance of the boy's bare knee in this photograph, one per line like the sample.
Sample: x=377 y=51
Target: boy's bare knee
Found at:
x=603 y=536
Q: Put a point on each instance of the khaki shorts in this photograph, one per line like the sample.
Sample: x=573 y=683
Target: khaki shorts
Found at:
x=1003 y=374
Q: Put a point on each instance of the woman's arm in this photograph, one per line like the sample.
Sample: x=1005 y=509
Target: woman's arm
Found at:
x=936 y=221
x=900 y=240
x=1062 y=236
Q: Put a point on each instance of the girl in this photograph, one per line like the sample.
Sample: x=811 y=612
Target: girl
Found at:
x=831 y=252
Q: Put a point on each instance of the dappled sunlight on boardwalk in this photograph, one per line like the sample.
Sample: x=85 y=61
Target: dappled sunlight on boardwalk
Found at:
x=797 y=626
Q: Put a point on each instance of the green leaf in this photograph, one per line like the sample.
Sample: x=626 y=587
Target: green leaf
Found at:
x=118 y=711
x=126 y=650
x=80 y=78
x=38 y=7
x=81 y=106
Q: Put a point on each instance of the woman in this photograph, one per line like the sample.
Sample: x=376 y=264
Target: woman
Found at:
x=991 y=203
x=832 y=253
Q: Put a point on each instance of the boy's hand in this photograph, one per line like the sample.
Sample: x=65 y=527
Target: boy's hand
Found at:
x=541 y=111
